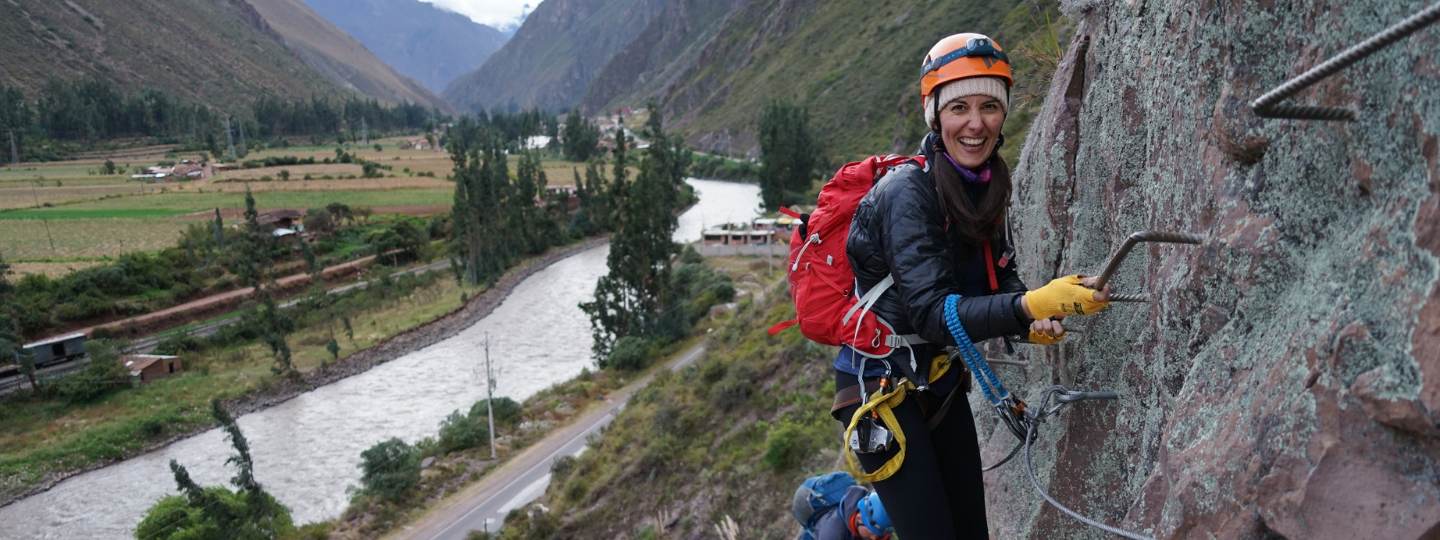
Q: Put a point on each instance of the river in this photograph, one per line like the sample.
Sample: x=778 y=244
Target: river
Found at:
x=307 y=450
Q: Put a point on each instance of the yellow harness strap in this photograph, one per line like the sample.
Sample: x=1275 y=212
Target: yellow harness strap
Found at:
x=883 y=404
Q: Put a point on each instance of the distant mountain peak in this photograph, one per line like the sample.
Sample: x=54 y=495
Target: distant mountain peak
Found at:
x=424 y=41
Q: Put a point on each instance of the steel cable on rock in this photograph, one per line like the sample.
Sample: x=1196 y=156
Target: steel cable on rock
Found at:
x=1032 y=420
x=1267 y=105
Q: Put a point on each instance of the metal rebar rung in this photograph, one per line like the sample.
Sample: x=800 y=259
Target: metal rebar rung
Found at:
x=1129 y=298
x=1268 y=106
x=1142 y=236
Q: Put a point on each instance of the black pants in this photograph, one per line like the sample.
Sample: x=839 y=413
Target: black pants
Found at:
x=938 y=491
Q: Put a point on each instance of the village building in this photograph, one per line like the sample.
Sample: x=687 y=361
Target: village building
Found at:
x=282 y=223
x=147 y=368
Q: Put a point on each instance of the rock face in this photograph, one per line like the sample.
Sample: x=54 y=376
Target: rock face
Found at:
x=1285 y=379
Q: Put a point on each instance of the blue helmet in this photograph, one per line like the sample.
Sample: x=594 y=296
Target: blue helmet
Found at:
x=873 y=516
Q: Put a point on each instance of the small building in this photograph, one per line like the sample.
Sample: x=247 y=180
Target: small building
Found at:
x=57 y=349
x=715 y=236
x=280 y=219
x=147 y=368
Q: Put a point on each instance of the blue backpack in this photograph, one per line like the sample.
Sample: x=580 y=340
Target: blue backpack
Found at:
x=816 y=495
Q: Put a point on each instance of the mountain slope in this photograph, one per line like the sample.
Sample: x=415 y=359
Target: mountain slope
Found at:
x=554 y=55
x=219 y=52
x=852 y=63
x=428 y=44
x=661 y=53
x=339 y=57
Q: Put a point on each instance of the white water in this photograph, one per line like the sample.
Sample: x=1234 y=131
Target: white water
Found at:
x=307 y=450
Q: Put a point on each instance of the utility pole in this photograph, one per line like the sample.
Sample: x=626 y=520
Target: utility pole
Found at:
x=490 y=396
x=14 y=150
x=46 y=222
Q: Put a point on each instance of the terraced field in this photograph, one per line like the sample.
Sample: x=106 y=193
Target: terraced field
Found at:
x=55 y=216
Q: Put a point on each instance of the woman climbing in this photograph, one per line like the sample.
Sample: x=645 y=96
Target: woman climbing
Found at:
x=941 y=230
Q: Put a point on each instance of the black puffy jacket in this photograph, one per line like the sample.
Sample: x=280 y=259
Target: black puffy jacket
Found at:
x=899 y=229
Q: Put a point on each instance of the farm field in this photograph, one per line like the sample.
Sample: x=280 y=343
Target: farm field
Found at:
x=56 y=215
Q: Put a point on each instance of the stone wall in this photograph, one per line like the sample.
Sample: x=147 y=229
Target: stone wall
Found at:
x=1285 y=379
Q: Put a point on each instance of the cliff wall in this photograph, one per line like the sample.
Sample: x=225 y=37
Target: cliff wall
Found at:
x=1285 y=379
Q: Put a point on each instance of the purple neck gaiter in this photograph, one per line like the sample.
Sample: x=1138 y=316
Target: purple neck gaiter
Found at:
x=981 y=176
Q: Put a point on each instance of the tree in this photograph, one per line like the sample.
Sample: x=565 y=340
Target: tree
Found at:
x=249 y=260
x=580 y=138
x=631 y=300
x=216 y=512
x=481 y=182
x=789 y=154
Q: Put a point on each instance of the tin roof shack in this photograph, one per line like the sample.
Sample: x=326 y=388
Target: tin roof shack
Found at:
x=147 y=368
x=57 y=349
x=280 y=219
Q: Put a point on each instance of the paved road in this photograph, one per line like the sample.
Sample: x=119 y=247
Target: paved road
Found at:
x=523 y=478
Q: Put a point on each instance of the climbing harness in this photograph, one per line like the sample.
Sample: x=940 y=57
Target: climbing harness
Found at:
x=1268 y=105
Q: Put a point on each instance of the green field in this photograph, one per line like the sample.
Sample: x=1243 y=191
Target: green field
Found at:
x=67 y=211
x=180 y=203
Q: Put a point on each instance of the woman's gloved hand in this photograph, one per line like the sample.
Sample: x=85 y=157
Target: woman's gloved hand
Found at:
x=1046 y=332
x=1068 y=295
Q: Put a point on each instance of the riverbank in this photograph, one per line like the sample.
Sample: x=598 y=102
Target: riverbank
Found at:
x=281 y=390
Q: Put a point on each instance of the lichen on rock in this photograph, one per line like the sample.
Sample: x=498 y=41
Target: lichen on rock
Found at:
x=1284 y=381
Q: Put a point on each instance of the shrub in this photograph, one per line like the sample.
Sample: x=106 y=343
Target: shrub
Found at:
x=103 y=375
x=459 y=431
x=228 y=515
x=177 y=344
x=507 y=411
x=390 y=469
x=785 y=447
x=631 y=353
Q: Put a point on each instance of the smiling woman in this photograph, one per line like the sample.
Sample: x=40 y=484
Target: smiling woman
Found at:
x=931 y=254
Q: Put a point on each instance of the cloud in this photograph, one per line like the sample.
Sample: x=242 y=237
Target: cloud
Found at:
x=495 y=13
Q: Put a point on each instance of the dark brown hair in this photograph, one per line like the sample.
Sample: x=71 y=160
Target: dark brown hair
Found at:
x=976 y=221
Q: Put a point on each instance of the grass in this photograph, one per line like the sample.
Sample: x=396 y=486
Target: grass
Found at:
x=45 y=436
x=89 y=216
x=551 y=408
x=176 y=203
x=28 y=239
x=730 y=436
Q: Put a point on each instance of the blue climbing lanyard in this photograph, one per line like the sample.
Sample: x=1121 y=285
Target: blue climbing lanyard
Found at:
x=989 y=383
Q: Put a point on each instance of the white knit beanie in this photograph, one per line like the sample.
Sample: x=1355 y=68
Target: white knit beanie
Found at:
x=984 y=86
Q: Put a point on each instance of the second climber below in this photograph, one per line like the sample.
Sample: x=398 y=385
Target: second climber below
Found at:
x=942 y=230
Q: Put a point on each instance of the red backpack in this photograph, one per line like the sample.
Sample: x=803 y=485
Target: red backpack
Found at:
x=821 y=281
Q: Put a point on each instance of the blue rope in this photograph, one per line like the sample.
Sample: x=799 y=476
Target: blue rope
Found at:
x=989 y=383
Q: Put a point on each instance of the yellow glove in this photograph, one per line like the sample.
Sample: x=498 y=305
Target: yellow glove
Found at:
x=1063 y=296
x=1039 y=338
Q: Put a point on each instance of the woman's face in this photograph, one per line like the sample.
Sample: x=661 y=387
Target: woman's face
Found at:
x=970 y=128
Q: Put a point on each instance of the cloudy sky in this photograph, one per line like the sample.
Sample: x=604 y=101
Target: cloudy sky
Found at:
x=495 y=13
